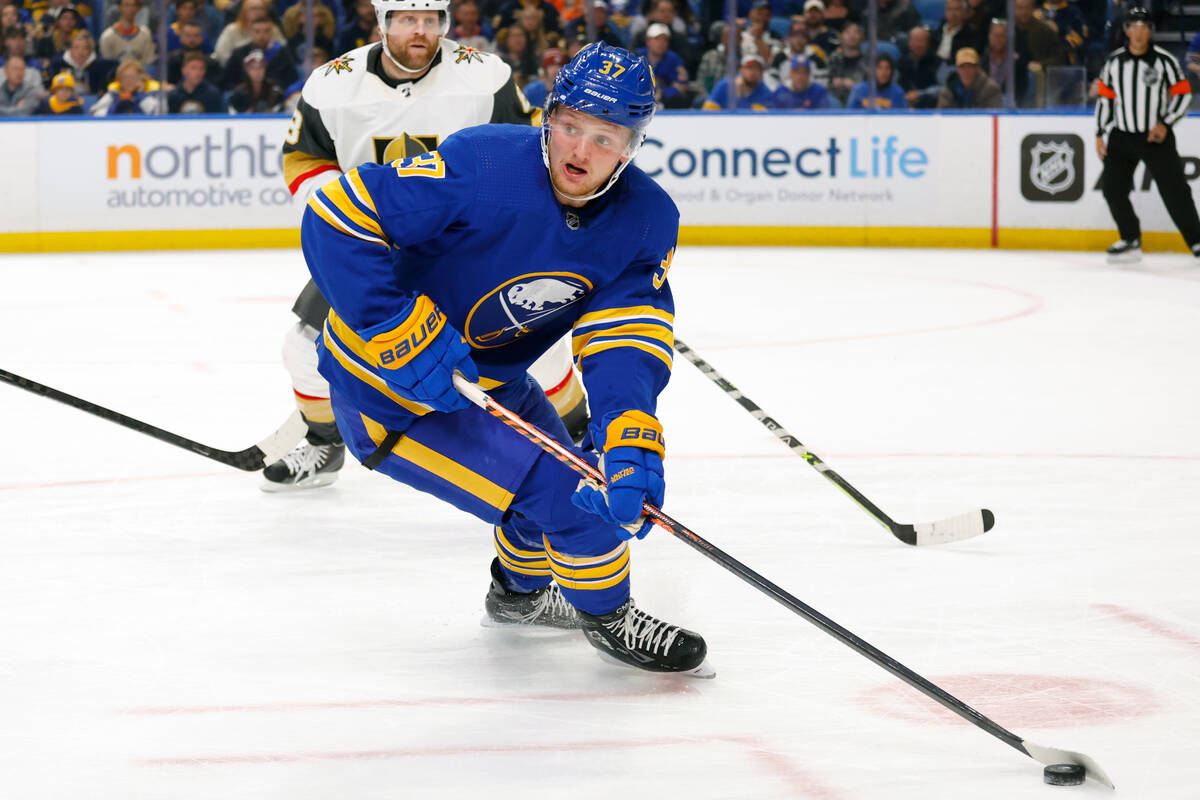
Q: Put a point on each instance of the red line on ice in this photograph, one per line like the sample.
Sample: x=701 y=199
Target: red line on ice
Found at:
x=1150 y=624
x=1033 y=306
x=666 y=687
x=801 y=781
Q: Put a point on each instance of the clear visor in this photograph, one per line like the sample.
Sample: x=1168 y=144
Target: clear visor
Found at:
x=615 y=139
x=428 y=23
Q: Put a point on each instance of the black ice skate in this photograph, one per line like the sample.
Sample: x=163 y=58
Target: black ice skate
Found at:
x=315 y=461
x=544 y=607
x=1123 y=252
x=631 y=636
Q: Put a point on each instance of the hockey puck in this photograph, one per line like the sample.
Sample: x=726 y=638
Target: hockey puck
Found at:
x=1064 y=774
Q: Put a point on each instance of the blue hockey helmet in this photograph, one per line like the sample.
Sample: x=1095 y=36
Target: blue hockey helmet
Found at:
x=609 y=83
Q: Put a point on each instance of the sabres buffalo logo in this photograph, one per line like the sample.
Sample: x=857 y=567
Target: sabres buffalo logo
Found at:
x=521 y=305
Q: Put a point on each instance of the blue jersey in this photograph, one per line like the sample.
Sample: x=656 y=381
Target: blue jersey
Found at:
x=759 y=100
x=886 y=97
x=815 y=96
x=475 y=225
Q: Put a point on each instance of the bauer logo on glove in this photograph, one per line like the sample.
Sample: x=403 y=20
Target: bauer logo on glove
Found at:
x=418 y=328
x=633 y=469
x=417 y=352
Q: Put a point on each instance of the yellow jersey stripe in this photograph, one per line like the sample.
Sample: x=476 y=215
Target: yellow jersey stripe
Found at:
x=567 y=582
x=591 y=573
x=335 y=194
x=523 y=568
x=600 y=347
x=360 y=191
x=586 y=561
x=323 y=211
x=501 y=539
x=581 y=339
x=367 y=376
x=443 y=466
x=618 y=314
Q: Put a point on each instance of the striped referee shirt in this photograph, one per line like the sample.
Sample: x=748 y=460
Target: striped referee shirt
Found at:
x=1138 y=92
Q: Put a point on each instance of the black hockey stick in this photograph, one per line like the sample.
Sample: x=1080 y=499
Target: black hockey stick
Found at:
x=1046 y=755
x=951 y=529
x=251 y=459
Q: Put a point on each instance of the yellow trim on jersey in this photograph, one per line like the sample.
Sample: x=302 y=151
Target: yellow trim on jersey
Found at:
x=615 y=314
x=335 y=193
x=334 y=221
x=443 y=466
x=360 y=191
x=660 y=333
x=368 y=377
x=297 y=163
x=600 y=347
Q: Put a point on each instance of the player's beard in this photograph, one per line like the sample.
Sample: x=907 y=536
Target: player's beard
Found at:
x=415 y=58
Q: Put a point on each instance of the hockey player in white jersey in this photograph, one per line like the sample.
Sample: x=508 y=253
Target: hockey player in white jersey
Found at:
x=392 y=99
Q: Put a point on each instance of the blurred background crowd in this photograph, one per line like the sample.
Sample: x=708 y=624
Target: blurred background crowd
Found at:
x=252 y=56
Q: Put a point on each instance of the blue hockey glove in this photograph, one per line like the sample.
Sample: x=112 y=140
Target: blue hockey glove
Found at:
x=417 y=358
x=633 y=468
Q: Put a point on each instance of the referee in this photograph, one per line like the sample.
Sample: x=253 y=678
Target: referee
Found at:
x=1143 y=92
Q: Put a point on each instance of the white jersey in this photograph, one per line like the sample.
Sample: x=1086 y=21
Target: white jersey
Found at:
x=351 y=112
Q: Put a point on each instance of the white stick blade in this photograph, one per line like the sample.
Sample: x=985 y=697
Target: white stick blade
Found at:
x=952 y=529
x=281 y=442
x=1051 y=755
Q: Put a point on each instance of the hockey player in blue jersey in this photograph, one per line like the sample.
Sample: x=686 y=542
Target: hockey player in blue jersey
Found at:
x=477 y=257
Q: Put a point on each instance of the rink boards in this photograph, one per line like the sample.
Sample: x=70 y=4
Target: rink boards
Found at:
x=942 y=180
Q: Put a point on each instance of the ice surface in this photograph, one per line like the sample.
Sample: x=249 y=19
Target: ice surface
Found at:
x=169 y=631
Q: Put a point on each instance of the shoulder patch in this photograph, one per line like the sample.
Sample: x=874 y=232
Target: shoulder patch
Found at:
x=340 y=64
x=467 y=54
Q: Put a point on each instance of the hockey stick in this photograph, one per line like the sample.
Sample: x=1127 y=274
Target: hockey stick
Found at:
x=252 y=459
x=1046 y=755
x=951 y=529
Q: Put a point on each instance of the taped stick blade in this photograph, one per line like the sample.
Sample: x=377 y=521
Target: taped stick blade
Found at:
x=950 y=529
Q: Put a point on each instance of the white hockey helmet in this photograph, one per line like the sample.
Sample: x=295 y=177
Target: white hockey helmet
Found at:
x=385 y=7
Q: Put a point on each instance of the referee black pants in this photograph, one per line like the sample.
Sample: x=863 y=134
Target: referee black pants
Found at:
x=1125 y=150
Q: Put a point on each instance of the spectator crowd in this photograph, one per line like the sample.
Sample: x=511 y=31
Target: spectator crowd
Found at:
x=249 y=56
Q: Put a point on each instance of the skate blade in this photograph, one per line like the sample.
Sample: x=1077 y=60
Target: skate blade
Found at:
x=536 y=630
x=705 y=670
x=315 y=482
x=1125 y=258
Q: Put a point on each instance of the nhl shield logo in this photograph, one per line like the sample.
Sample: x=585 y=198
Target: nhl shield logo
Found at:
x=521 y=305
x=1052 y=167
